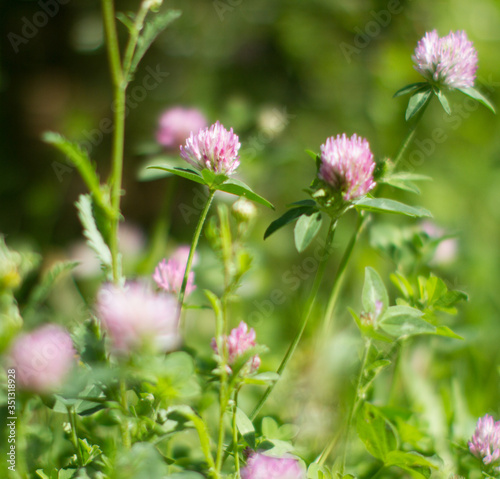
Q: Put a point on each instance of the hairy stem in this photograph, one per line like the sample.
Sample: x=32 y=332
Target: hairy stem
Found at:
x=309 y=309
x=119 y=89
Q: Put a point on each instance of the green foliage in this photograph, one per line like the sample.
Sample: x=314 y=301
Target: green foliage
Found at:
x=404 y=180
x=93 y=235
x=477 y=95
x=306 y=229
x=83 y=164
x=157 y=24
x=315 y=471
x=291 y=215
x=245 y=427
x=418 y=101
x=143 y=461
x=384 y=205
x=217 y=183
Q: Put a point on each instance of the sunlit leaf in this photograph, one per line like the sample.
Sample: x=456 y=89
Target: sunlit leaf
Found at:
x=306 y=229
x=385 y=205
x=477 y=95
x=238 y=188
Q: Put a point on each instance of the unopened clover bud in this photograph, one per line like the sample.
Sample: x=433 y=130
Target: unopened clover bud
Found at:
x=153 y=5
x=66 y=427
x=243 y=210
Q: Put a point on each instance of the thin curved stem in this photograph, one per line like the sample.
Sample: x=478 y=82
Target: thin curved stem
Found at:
x=132 y=42
x=355 y=402
x=194 y=244
x=340 y=275
x=411 y=133
x=74 y=437
x=328 y=449
x=235 y=436
x=309 y=309
x=223 y=401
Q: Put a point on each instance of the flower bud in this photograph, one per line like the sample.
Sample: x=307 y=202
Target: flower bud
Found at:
x=243 y=210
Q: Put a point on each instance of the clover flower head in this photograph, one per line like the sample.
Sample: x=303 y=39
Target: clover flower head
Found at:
x=261 y=466
x=449 y=61
x=42 y=358
x=169 y=274
x=239 y=340
x=176 y=124
x=485 y=443
x=214 y=148
x=347 y=166
x=134 y=315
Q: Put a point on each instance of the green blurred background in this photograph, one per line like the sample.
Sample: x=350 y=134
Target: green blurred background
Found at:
x=285 y=74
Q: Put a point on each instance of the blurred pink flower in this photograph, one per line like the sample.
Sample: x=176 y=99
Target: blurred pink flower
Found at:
x=176 y=124
x=181 y=255
x=347 y=165
x=169 y=274
x=260 y=466
x=213 y=148
x=239 y=340
x=42 y=359
x=485 y=443
x=446 y=250
x=450 y=61
x=134 y=316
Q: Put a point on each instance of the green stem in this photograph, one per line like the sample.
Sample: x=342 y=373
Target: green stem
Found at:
x=132 y=42
x=124 y=404
x=411 y=133
x=309 y=309
x=119 y=89
x=355 y=402
x=225 y=389
x=223 y=401
x=328 y=449
x=194 y=244
x=378 y=472
x=340 y=275
x=74 y=437
x=235 y=436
